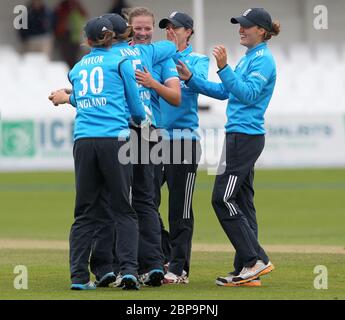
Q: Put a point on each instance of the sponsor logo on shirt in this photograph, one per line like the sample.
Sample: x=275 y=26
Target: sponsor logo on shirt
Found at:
x=258 y=75
x=260 y=53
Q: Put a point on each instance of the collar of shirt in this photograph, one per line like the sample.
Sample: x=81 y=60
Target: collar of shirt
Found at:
x=99 y=49
x=257 y=47
x=186 y=51
x=121 y=44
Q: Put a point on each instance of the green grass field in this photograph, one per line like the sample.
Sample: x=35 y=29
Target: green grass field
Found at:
x=295 y=207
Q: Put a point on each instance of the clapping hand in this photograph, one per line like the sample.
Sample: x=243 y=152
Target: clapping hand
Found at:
x=219 y=52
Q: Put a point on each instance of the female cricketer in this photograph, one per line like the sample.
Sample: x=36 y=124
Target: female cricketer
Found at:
x=249 y=89
x=183 y=142
x=150 y=256
x=102 y=86
x=164 y=84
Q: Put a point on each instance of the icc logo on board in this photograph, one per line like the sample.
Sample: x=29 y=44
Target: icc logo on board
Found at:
x=26 y=139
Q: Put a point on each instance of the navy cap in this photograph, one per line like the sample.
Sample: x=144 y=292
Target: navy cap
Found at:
x=178 y=19
x=119 y=24
x=95 y=27
x=254 y=17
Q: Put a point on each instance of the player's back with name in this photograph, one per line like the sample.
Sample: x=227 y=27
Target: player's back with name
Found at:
x=99 y=91
x=92 y=60
x=95 y=77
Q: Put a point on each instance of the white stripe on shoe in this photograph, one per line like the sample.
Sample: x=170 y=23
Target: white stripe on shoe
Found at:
x=228 y=193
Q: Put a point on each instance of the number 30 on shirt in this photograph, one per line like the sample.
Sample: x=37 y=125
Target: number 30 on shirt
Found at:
x=90 y=81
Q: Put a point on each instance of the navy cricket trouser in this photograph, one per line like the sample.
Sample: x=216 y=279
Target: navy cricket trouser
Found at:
x=180 y=174
x=159 y=180
x=104 y=240
x=150 y=254
x=97 y=168
x=233 y=195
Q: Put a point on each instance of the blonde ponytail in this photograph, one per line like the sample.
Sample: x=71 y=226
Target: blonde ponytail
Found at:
x=105 y=42
x=126 y=36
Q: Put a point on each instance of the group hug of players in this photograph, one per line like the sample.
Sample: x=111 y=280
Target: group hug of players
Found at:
x=128 y=89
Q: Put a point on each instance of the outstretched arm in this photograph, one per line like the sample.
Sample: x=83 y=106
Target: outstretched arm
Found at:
x=165 y=49
x=201 y=85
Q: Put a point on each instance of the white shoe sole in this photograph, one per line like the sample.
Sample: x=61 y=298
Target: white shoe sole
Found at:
x=267 y=269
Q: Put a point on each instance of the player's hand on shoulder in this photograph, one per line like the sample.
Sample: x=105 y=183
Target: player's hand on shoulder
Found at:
x=144 y=78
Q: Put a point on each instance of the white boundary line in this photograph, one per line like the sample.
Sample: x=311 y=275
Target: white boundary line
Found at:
x=197 y=247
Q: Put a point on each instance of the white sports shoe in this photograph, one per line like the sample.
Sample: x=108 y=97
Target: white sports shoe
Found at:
x=153 y=278
x=248 y=274
x=221 y=281
x=118 y=282
x=172 y=278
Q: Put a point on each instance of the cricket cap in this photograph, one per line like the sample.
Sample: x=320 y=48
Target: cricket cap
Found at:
x=254 y=17
x=119 y=24
x=178 y=19
x=95 y=28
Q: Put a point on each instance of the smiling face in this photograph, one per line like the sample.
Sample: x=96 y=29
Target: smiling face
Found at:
x=250 y=37
x=143 y=29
